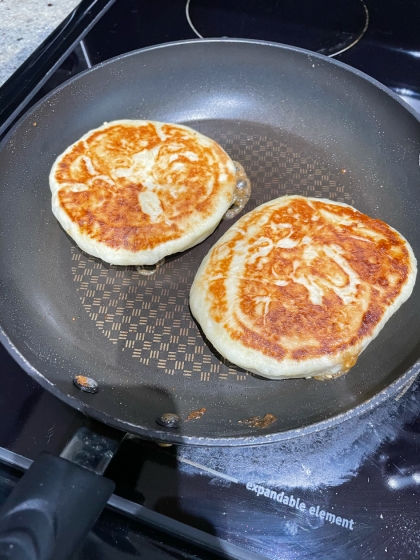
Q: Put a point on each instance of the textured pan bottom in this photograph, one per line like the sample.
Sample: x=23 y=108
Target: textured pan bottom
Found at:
x=148 y=317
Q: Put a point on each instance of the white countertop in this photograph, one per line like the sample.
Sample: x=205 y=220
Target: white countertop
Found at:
x=24 y=25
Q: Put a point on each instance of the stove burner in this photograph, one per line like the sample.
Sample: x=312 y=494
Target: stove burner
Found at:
x=325 y=26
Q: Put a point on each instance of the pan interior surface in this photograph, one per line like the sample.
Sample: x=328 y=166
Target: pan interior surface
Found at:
x=299 y=124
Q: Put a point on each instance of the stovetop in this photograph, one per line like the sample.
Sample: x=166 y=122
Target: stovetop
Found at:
x=351 y=491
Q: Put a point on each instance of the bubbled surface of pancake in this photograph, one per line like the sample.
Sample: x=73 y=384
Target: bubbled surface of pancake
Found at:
x=132 y=192
x=299 y=287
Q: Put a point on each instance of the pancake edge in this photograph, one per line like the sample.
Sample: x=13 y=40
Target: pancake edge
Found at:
x=268 y=367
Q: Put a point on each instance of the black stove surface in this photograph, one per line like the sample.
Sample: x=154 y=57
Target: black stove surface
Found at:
x=349 y=492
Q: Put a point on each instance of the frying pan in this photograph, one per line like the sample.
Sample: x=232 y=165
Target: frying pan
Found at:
x=299 y=123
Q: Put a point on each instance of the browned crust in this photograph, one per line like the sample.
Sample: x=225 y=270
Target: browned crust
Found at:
x=335 y=327
x=111 y=214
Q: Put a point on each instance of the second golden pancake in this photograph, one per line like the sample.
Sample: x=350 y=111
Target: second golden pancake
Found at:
x=300 y=286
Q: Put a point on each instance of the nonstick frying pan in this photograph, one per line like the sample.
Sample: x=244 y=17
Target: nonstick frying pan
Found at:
x=299 y=123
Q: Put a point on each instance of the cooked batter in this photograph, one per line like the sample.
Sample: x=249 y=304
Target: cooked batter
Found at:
x=300 y=286
x=132 y=192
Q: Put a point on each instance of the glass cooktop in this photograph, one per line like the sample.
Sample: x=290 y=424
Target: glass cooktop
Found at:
x=351 y=491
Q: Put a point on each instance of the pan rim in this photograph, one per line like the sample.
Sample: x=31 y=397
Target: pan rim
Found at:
x=160 y=434
x=282 y=46
x=397 y=386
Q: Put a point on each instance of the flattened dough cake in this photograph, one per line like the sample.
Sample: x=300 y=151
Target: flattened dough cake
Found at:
x=300 y=286
x=131 y=192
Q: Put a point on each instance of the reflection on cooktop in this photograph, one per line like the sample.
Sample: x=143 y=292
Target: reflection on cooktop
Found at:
x=351 y=489
x=322 y=459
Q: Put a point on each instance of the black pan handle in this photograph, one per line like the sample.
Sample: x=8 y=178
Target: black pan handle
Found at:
x=51 y=510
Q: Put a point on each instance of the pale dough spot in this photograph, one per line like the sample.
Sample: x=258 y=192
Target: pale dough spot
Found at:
x=150 y=204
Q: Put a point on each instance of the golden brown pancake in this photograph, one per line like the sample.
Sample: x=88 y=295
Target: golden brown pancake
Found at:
x=299 y=287
x=132 y=192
